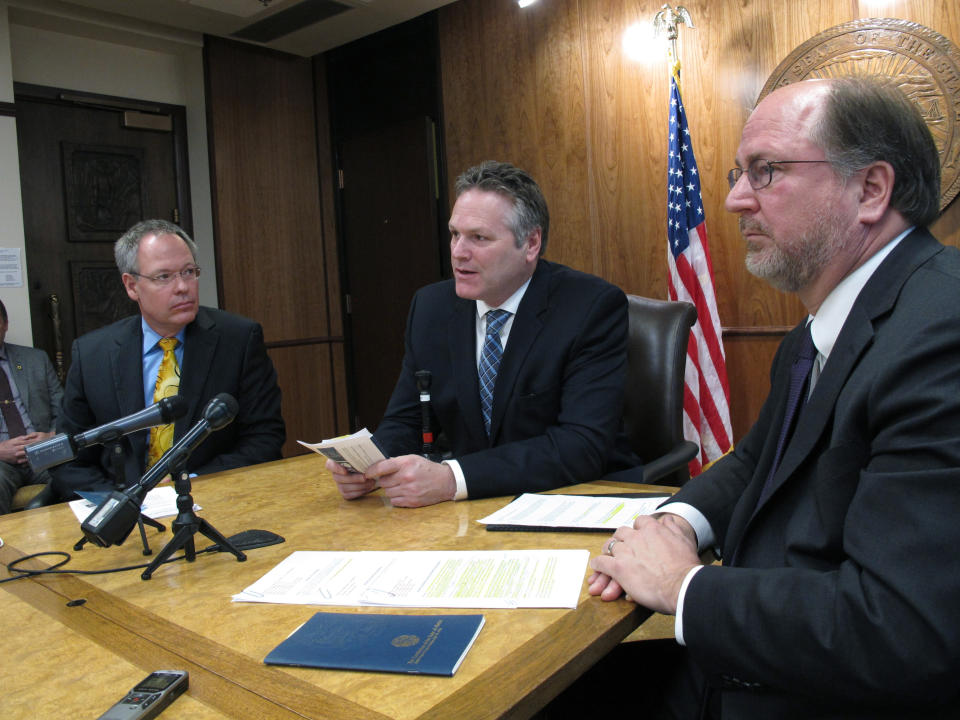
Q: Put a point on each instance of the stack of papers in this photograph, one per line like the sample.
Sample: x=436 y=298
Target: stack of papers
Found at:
x=159 y=502
x=572 y=512
x=354 y=452
x=451 y=579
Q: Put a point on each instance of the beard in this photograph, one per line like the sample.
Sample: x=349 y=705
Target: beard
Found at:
x=792 y=264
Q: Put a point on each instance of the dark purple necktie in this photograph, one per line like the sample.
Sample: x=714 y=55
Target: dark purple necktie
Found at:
x=11 y=415
x=796 y=396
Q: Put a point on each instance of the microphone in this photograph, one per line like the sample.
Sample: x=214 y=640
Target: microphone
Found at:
x=424 y=379
x=114 y=518
x=63 y=447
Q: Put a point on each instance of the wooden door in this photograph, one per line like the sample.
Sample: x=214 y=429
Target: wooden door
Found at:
x=90 y=167
x=391 y=248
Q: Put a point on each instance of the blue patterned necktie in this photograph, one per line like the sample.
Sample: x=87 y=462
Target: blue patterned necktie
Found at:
x=490 y=362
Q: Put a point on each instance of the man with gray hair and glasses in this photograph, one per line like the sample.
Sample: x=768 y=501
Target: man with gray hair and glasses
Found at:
x=836 y=515
x=173 y=347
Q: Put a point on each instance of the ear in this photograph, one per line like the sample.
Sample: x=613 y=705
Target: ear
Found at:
x=876 y=189
x=130 y=285
x=532 y=247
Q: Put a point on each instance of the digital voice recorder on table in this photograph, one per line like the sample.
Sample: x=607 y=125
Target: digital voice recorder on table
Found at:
x=149 y=696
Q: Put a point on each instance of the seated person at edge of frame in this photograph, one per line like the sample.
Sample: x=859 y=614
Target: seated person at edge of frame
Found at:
x=836 y=515
x=528 y=361
x=174 y=346
x=30 y=398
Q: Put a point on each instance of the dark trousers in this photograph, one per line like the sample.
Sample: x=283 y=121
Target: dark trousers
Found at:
x=644 y=679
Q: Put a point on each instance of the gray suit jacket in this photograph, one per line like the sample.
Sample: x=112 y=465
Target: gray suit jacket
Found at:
x=38 y=384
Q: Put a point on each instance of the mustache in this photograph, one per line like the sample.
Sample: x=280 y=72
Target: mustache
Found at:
x=749 y=225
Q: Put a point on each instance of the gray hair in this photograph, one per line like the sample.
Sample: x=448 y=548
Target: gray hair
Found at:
x=868 y=119
x=529 y=206
x=125 y=249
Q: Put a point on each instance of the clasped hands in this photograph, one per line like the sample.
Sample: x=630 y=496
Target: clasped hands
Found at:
x=407 y=480
x=648 y=562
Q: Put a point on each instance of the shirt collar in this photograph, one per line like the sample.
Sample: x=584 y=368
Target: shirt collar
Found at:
x=833 y=312
x=510 y=305
x=151 y=337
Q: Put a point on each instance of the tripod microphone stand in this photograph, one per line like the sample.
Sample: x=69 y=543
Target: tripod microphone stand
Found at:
x=119 y=474
x=186 y=525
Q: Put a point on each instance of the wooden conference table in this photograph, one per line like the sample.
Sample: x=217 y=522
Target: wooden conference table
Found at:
x=64 y=658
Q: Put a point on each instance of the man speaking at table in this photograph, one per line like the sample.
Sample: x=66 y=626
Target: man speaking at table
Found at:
x=527 y=359
x=173 y=346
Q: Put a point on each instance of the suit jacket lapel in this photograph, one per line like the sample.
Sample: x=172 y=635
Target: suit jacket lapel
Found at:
x=126 y=367
x=20 y=378
x=524 y=331
x=199 y=345
x=462 y=340
x=875 y=300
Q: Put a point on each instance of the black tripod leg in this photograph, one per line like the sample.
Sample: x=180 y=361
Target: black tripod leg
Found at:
x=178 y=541
x=143 y=536
x=212 y=533
x=151 y=522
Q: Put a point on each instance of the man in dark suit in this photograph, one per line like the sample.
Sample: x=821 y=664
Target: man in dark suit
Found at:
x=114 y=370
x=547 y=342
x=30 y=395
x=838 y=529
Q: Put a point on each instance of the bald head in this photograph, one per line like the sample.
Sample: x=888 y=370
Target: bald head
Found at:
x=794 y=108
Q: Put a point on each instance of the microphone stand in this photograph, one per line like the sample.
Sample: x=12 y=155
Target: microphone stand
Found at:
x=424 y=380
x=119 y=473
x=187 y=523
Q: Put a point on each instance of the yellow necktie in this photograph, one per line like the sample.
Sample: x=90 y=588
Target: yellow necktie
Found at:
x=168 y=385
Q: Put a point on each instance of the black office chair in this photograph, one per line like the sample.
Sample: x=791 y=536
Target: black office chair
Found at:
x=653 y=402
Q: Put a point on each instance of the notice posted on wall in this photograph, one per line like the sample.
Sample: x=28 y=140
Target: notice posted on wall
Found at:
x=11 y=269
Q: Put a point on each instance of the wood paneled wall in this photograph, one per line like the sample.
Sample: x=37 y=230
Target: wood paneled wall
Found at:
x=273 y=222
x=548 y=88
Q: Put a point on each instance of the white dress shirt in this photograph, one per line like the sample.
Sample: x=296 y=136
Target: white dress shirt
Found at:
x=825 y=327
x=510 y=305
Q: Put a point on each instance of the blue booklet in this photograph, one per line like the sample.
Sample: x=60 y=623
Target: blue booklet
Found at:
x=418 y=644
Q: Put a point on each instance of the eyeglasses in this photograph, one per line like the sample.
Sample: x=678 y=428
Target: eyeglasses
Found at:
x=187 y=274
x=760 y=171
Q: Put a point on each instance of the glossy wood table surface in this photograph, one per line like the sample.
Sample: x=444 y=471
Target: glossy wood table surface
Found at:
x=183 y=618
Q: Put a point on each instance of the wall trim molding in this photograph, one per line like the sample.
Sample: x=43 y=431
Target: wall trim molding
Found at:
x=756 y=331
x=304 y=341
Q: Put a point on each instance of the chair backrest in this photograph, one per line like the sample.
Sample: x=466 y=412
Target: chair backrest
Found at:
x=656 y=357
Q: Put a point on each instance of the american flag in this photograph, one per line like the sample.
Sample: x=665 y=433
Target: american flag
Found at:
x=706 y=401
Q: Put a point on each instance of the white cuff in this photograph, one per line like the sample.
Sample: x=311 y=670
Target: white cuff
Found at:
x=699 y=523
x=678 y=619
x=459 y=478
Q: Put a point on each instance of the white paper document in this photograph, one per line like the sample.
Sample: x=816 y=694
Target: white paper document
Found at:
x=589 y=512
x=159 y=502
x=447 y=579
x=354 y=452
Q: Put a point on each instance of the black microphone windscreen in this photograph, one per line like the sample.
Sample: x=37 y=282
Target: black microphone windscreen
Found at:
x=221 y=411
x=172 y=408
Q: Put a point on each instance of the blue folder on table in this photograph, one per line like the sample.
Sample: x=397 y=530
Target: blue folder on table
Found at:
x=378 y=642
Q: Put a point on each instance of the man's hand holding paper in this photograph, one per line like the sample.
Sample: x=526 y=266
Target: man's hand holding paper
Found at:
x=413 y=481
